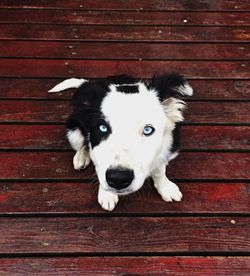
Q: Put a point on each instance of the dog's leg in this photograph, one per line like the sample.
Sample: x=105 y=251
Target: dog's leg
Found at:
x=168 y=190
x=81 y=159
x=107 y=199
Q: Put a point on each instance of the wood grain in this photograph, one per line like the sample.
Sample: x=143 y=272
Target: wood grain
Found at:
x=50 y=220
x=203 y=89
x=198 y=112
x=123 y=235
x=172 y=5
x=173 y=266
x=81 y=198
x=125 y=51
x=125 y=18
x=124 y=33
x=51 y=68
x=58 y=166
x=192 y=137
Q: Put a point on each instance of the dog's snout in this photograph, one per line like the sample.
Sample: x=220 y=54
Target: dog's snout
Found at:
x=119 y=178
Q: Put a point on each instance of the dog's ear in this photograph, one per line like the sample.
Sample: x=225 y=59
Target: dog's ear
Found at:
x=89 y=95
x=172 y=85
x=171 y=89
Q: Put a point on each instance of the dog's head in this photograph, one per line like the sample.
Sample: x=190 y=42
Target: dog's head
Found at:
x=128 y=125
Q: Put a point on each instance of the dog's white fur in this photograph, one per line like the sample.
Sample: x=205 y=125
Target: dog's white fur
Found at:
x=127 y=146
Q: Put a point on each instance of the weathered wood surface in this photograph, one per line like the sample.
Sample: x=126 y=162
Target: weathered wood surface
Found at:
x=170 y=5
x=58 y=166
x=50 y=220
x=198 y=112
x=173 y=266
x=124 y=51
x=124 y=33
x=124 y=235
x=141 y=69
x=192 y=137
x=81 y=198
x=125 y=18
x=203 y=89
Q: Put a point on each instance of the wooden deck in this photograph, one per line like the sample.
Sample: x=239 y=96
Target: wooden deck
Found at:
x=50 y=221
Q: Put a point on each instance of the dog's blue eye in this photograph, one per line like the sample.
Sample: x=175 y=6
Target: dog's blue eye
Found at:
x=103 y=128
x=148 y=130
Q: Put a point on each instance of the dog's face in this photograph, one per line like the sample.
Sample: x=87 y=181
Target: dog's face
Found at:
x=131 y=136
x=129 y=127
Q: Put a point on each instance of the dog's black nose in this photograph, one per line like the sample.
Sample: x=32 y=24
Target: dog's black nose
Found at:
x=119 y=178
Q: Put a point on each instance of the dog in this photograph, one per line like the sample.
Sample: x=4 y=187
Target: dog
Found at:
x=129 y=129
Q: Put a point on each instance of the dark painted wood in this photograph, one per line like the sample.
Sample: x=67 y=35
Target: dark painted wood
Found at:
x=226 y=138
x=33 y=137
x=52 y=68
x=170 y=5
x=124 y=33
x=46 y=207
x=125 y=51
x=81 y=198
x=34 y=111
x=58 y=166
x=124 y=18
x=217 y=112
x=173 y=266
x=198 y=112
x=124 y=235
x=203 y=89
x=193 y=137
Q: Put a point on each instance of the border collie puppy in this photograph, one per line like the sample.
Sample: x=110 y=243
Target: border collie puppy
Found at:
x=129 y=130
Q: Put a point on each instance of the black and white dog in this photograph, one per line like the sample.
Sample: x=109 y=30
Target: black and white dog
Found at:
x=129 y=129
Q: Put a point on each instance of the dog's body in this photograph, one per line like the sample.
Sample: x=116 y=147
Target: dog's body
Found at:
x=129 y=130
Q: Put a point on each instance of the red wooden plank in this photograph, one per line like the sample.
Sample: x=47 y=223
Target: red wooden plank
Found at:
x=124 y=235
x=219 y=112
x=81 y=198
x=33 y=137
x=124 y=33
x=170 y=5
x=34 y=111
x=193 y=137
x=204 y=89
x=125 y=18
x=58 y=111
x=172 y=266
x=226 y=138
x=58 y=165
x=107 y=50
x=141 y=69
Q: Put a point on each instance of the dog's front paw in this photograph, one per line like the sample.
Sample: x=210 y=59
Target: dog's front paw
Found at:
x=106 y=199
x=169 y=191
x=81 y=160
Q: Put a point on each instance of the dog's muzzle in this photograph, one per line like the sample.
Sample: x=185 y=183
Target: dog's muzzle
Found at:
x=119 y=178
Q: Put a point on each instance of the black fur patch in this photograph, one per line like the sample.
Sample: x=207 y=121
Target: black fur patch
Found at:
x=87 y=101
x=89 y=95
x=121 y=79
x=176 y=139
x=128 y=89
x=87 y=115
x=89 y=121
x=166 y=85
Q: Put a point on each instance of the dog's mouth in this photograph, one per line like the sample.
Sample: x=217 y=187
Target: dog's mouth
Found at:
x=122 y=192
x=125 y=192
